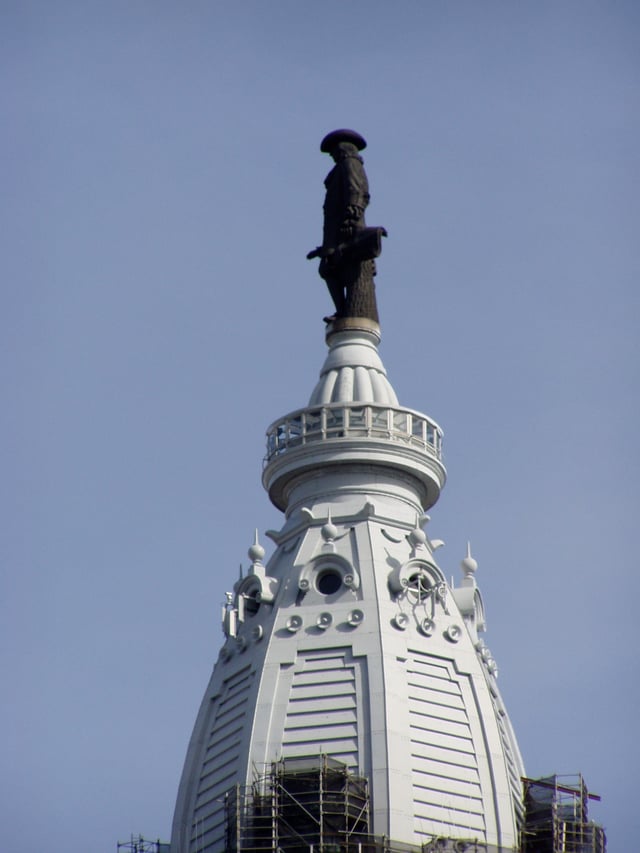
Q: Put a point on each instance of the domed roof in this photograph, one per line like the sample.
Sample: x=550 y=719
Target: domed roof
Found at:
x=353 y=371
x=353 y=418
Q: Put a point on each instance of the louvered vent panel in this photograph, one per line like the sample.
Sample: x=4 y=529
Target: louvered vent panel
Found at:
x=512 y=763
x=446 y=783
x=322 y=714
x=220 y=766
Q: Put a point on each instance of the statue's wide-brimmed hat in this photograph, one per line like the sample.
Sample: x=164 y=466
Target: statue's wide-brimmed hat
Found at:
x=337 y=136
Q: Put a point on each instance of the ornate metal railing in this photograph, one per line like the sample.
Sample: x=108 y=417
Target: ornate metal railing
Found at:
x=353 y=420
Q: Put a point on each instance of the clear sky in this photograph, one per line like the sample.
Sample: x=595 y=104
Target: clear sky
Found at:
x=161 y=185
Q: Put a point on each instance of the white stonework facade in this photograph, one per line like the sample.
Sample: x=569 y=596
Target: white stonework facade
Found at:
x=349 y=642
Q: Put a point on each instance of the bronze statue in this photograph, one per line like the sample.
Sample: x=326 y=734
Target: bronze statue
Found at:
x=348 y=247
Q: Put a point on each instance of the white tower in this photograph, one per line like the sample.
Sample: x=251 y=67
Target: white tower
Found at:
x=350 y=646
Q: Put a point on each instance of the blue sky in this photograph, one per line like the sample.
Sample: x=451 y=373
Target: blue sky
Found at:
x=162 y=185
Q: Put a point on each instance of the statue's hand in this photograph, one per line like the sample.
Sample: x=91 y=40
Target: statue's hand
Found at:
x=354 y=213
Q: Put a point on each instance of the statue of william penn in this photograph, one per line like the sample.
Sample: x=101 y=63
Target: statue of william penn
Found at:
x=348 y=246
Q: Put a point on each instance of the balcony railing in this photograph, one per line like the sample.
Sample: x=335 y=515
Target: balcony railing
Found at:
x=340 y=421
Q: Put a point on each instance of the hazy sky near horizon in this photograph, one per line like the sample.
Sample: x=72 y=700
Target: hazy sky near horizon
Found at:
x=162 y=184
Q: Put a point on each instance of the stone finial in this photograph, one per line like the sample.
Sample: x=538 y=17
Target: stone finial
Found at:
x=329 y=532
x=417 y=537
x=256 y=551
x=469 y=566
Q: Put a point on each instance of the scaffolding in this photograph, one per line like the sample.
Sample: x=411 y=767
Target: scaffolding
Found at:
x=293 y=805
x=556 y=817
x=138 y=844
x=297 y=807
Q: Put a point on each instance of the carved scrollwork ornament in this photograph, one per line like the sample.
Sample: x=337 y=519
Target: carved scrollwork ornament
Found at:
x=453 y=633
x=401 y=621
x=427 y=627
x=324 y=621
x=293 y=624
x=355 y=618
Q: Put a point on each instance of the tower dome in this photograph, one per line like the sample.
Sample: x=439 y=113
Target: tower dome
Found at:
x=353 y=371
x=352 y=702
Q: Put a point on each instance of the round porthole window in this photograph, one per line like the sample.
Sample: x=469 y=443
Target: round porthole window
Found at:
x=329 y=581
x=419 y=585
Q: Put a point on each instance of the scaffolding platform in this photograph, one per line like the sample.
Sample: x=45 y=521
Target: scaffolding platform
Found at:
x=292 y=806
x=138 y=844
x=556 y=817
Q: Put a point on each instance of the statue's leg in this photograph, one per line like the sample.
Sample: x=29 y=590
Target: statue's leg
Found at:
x=336 y=289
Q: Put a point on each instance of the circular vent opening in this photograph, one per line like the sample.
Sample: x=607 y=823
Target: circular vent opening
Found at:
x=251 y=602
x=329 y=581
